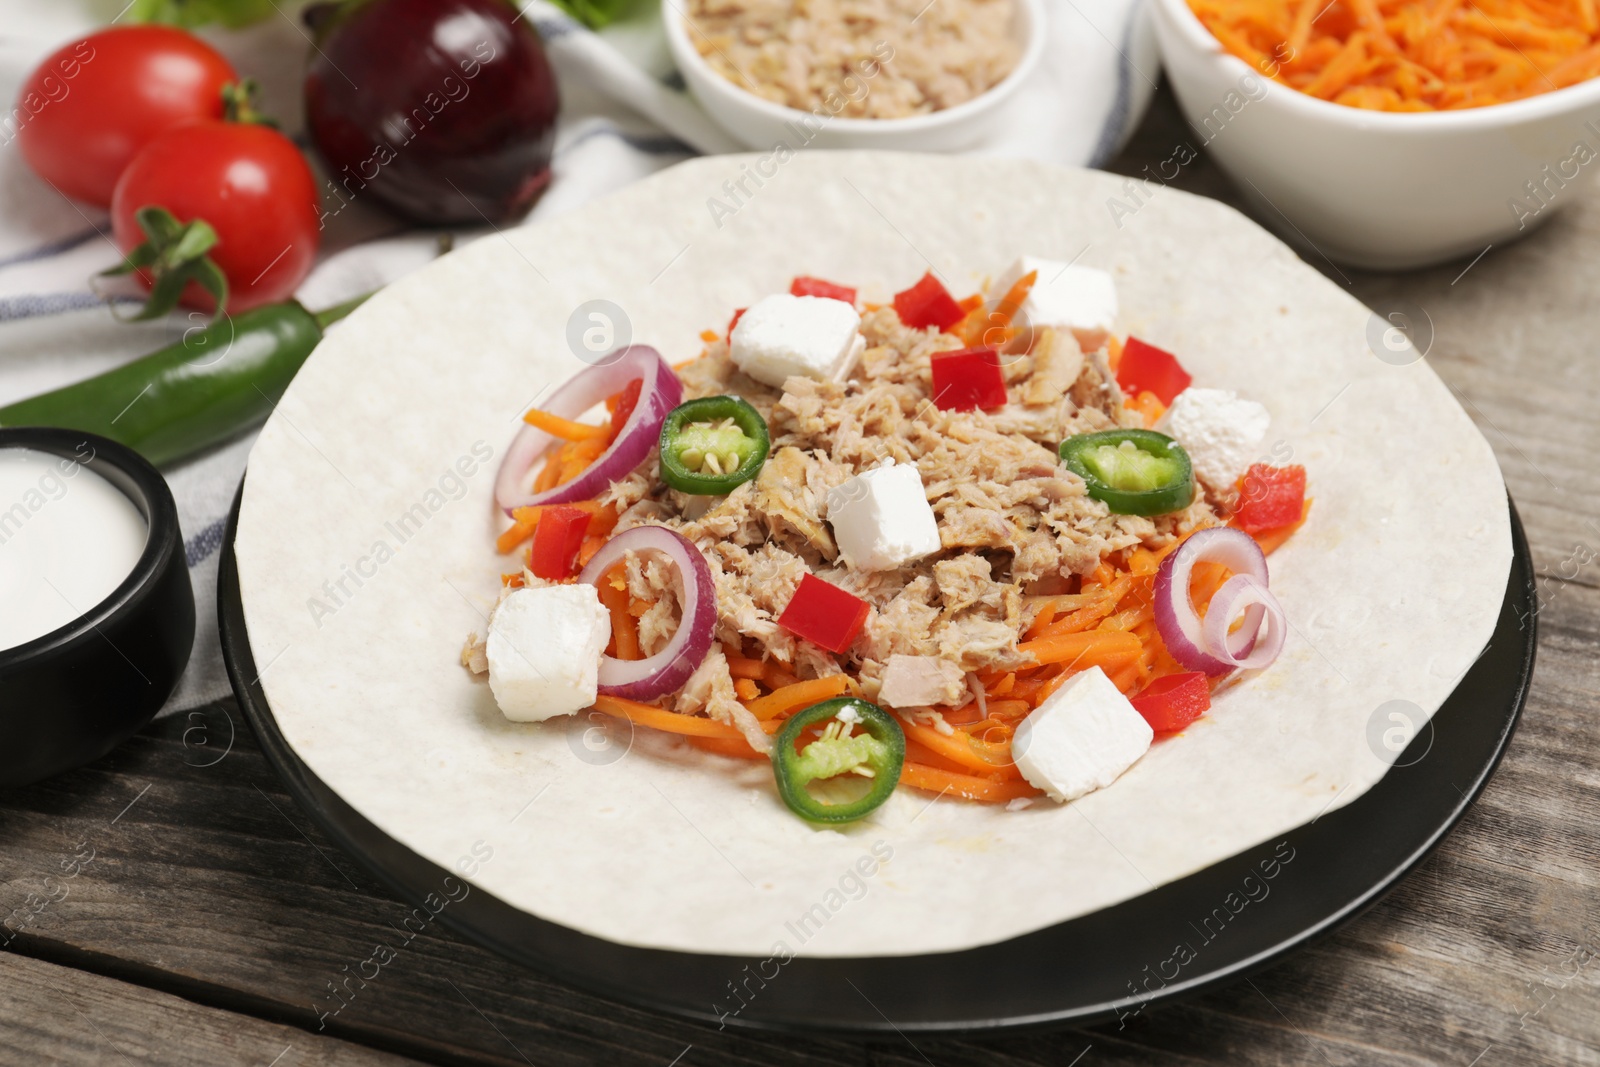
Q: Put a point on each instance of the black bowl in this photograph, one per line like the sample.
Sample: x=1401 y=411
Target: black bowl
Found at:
x=71 y=696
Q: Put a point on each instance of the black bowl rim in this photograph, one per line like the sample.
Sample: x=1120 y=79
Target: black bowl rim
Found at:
x=163 y=537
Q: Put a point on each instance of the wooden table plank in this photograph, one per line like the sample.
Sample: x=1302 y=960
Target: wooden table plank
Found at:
x=214 y=886
x=60 y=1015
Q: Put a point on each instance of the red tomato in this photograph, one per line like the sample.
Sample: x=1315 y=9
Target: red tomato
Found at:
x=968 y=379
x=1145 y=367
x=805 y=285
x=1174 y=701
x=251 y=184
x=1270 y=497
x=89 y=108
x=824 y=614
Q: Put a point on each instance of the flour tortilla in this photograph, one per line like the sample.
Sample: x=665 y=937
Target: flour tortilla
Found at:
x=365 y=555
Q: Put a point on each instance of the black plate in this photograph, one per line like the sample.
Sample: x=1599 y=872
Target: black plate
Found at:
x=1210 y=928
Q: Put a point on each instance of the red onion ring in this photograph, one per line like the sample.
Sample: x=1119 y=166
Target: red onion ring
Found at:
x=1245 y=647
x=659 y=394
x=645 y=679
x=1180 y=624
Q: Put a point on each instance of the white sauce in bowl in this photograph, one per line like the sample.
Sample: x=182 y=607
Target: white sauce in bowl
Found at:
x=68 y=538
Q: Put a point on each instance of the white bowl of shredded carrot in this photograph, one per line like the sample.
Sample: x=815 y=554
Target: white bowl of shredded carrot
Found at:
x=1391 y=133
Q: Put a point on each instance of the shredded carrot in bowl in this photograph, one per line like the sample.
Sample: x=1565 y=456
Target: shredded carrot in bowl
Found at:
x=1412 y=55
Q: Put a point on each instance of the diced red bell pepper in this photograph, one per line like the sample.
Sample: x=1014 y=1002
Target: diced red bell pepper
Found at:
x=1172 y=702
x=556 y=541
x=627 y=400
x=1146 y=367
x=737 y=315
x=968 y=379
x=928 y=303
x=1270 y=497
x=824 y=614
x=808 y=286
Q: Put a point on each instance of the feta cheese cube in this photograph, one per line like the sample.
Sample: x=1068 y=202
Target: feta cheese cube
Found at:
x=1081 y=739
x=881 y=518
x=1221 y=431
x=806 y=336
x=1065 y=296
x=544 y=651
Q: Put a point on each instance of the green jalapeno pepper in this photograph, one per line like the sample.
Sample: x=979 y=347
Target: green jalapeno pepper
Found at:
x=713 y=445
x=1132 y=472
x=208 y=387
x=862 y=739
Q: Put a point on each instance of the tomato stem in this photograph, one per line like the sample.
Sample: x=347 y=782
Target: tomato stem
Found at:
x=239 y=104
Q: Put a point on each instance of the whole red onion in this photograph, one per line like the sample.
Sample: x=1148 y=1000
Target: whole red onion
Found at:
x=442 y=110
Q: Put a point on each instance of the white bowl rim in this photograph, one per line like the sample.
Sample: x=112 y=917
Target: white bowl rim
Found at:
x=673 y=16
x=1490 y=116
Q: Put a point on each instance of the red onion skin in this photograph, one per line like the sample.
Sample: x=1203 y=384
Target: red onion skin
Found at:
x=1240 y=553
x=442 y=110
x=670 y=668
x=661 y=393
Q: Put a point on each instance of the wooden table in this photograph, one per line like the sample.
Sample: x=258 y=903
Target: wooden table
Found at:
x=183 y=911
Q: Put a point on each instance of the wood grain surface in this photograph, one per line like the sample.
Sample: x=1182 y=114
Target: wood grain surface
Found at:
x=62 y=1015
x=176 y=895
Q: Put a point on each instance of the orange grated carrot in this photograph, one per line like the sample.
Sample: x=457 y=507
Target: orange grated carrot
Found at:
x=1080 y=651
x=1411 y=55
x=792 y=698
x=1148 y=405
x=970 y=752
x=667 y=721
x=965 y=786
x=733 y=747
x=775 y=675
x=517 y=532
x=745 y=689
x=624 y=627
x=566 y=429
x=994 y=329
x=742 y=666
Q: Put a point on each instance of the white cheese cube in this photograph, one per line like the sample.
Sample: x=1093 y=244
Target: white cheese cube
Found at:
x=1221 y=431
x=806 y=336
x=544 y=651
x=1064 y=296
x=1080 y=739
x=882 y=519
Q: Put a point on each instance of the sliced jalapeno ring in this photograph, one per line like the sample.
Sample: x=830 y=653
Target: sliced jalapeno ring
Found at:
x=713 y=445
x=862 y=740
x=1132 y=472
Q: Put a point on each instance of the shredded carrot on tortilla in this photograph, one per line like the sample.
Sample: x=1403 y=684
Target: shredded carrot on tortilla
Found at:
x=981 y=757
x=624 y=627
x=733 y=747
x=548 y=473
x=966 y=786
x=668 y=721
x=775 y=675
x=743 y=666
x=791 y=698
x=993 y=329
x=566 y=429
x=1149 y=405
x=1095 y=648
x=1411 y=55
